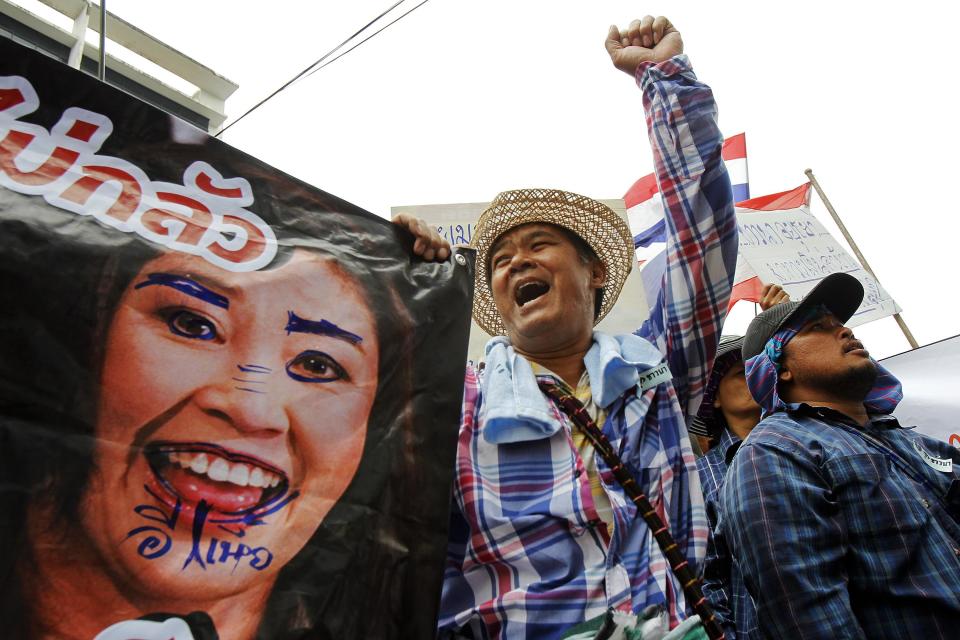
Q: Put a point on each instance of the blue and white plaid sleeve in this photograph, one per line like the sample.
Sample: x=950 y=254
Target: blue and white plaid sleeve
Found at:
x=686 y=319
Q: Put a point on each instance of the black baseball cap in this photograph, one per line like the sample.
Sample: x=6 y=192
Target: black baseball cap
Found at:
x=841 y=293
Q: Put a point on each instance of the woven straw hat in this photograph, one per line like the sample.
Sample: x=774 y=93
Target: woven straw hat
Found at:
x=596 y=223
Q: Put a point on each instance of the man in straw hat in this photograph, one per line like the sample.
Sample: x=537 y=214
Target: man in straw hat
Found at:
x=542 y=534
x=843 y=523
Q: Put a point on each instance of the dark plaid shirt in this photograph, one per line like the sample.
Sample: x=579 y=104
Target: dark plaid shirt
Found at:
x=722 y=582
x=843 y=531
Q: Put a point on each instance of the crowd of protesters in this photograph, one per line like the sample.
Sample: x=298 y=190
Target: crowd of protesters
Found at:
x=812 y=514
x=672 y=483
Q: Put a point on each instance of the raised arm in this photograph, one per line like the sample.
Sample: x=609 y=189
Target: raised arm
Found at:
x=701 y=228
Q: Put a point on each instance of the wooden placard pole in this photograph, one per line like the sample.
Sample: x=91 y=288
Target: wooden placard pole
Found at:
x=856 y=251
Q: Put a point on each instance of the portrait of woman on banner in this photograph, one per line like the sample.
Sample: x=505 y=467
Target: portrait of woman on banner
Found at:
x=233 y=450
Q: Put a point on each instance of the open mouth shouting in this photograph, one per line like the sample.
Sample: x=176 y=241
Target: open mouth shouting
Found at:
x=529 y=290
x=232 y=484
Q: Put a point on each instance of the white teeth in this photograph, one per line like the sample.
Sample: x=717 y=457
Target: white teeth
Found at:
x=219 y=470
x=239 y=474
x=200 y=463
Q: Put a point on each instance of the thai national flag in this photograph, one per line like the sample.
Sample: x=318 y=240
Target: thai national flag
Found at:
x=645 y=213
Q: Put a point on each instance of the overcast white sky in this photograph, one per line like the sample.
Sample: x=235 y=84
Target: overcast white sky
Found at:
x=461 y=100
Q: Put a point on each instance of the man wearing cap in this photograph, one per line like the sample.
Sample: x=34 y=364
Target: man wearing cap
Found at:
x=843 y=523
x=727 y=415
x=542 y=535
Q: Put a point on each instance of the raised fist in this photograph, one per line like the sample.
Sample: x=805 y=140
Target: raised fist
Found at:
x=648 y=40
x=772 y=294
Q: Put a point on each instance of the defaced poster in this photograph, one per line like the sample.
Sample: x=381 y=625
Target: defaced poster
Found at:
x=228 y=400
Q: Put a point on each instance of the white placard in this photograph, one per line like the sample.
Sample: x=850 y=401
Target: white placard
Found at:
x=791 y=248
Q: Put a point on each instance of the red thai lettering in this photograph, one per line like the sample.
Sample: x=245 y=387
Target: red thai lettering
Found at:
x=94 y=178
x=256 y=245
x=10 y=98
x=61 y=166
x=55 y=166
x=955 y=439
x=195 y=225
x=205 y=183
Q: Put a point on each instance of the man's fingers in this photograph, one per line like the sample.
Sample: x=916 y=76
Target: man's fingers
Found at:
x=427 y=243
x=633 y=33
x=402 y=220
x=771 y=295
x=613 y=42
x=660 y=25
x=646 y=32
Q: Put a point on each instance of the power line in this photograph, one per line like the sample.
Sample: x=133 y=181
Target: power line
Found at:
x=402 y=16
x=314 y=64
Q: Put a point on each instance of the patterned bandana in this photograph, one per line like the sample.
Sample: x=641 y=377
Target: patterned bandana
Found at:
x=762 y=373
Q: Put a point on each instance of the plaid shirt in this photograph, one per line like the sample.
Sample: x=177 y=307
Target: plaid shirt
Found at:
x=722 y=582
x=843 y=531
x=528 y=554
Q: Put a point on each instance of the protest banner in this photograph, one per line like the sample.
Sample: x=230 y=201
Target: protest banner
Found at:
x=221 y=414
x=930 y=377
x=787 y=245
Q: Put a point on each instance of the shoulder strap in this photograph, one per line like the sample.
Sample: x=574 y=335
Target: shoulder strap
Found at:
x=671 y=551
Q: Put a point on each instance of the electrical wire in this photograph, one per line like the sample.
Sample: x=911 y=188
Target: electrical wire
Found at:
x=315 y=63
x=401 y=17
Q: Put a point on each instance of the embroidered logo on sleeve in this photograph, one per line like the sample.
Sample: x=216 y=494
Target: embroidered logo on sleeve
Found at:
x=944 y=465
x=654 y=376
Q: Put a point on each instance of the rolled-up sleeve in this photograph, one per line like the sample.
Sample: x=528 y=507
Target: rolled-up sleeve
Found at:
x=701 y=230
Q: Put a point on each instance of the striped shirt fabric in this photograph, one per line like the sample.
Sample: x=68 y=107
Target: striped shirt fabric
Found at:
x=527 y=555
x=843 y=531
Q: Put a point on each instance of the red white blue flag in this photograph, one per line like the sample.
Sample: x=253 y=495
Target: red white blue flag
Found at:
x=646 y=216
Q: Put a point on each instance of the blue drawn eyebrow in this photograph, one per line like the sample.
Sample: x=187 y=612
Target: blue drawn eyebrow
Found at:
x=296 y=324
x=186 y=285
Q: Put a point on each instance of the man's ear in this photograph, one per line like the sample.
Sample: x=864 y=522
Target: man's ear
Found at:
x=598 y=274
x=785 y=375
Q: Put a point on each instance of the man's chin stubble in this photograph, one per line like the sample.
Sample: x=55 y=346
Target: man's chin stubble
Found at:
x=854 y=383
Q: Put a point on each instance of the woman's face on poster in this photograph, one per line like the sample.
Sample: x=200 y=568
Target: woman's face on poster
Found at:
x=232 y=416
